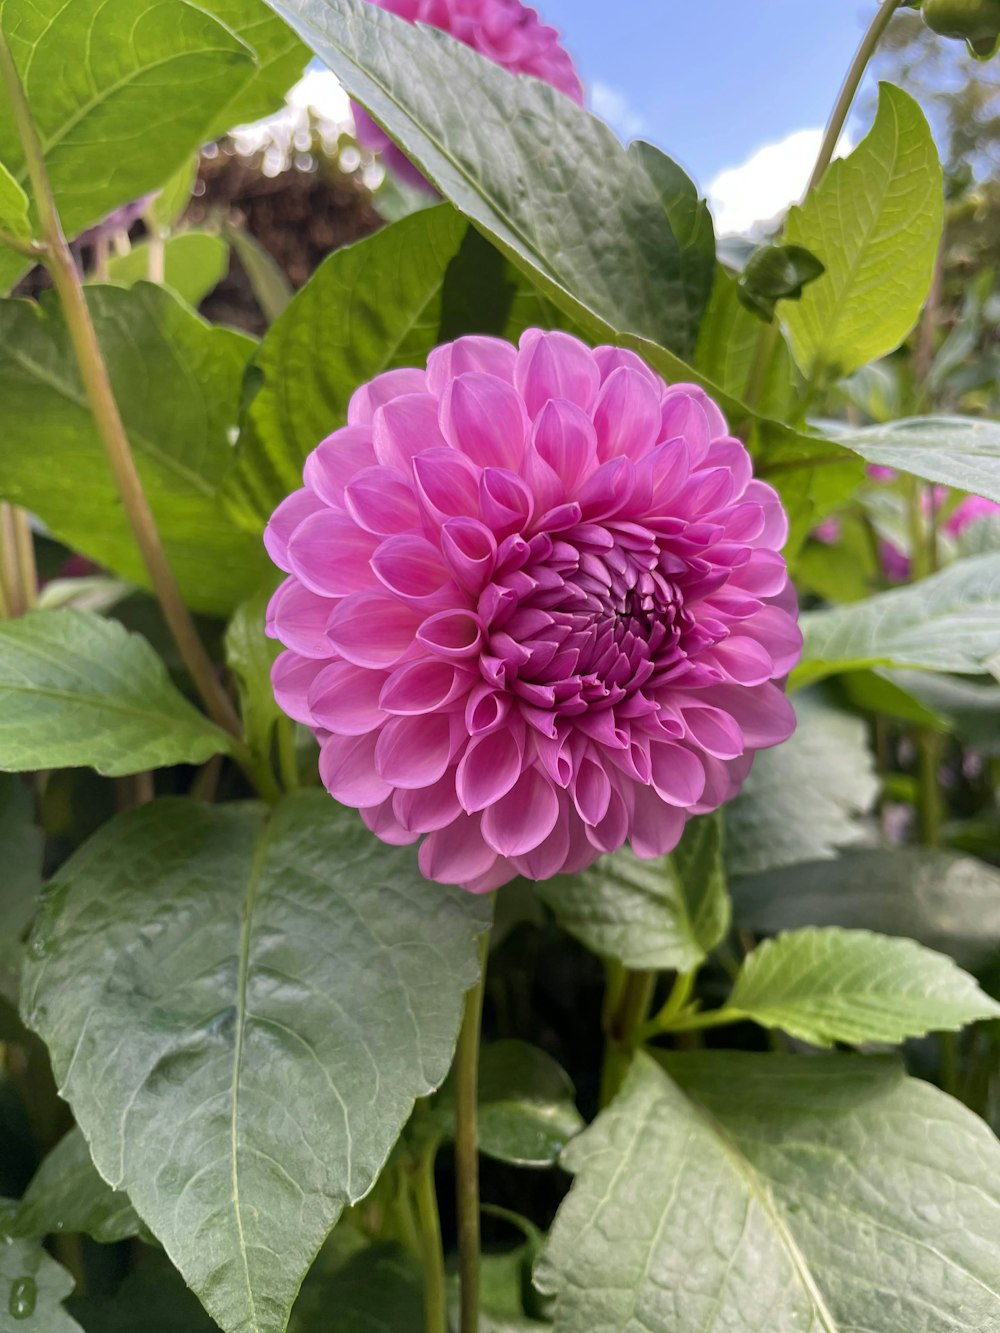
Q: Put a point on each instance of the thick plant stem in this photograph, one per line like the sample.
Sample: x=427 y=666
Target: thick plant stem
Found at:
x=432 y=1252
x=467 y=1149
x=623 y=1026
x=104 y=409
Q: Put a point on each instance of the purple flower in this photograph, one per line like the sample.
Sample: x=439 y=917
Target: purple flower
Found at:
x=506 y=31
x=535 y=607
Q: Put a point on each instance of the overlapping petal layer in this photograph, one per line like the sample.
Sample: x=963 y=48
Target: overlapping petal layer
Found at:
x=535 y=607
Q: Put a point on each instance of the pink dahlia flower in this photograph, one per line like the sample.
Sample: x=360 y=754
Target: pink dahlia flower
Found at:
x=505 y=31
x=535 y=607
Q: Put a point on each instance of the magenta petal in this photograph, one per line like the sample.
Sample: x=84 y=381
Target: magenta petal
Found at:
x=484 y=419
x=331 y=555
x=404 y=427
x=491 y=356
x=347 y=767
x=656 y=826
x=424 y=687
x=678 y=775
x=488 y=769
x=626 y=416
x=525 y=817
x=456 y=853
x=550 y=856
x=292 y=511
x=426 y=809
x=713 y=730
x=591 y=791
x=299 y=618
x=382 y=821
x=764 y=714
x=412 y=568
x=366 y=401
x=565 y=438
x=372 y=629
x=414 y=751
x=344 y=699
x=447 y=483
x=555 y=365
x=332 y=464
x=381 y=500
x=611 y=832
x=452 y=633
x=291 y=678
x=470 y=549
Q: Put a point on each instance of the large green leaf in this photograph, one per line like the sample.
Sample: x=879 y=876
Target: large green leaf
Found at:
x=194 y=262
x=959 y=451
x=252 y=1000
x=948 y=622
x=281 y=58
x=665 y=913
x=775 y=1194
x=547 y=181
x=824 y=984
x=377 y=1289
x=948 y=902
x=77 y=690
x=727 y=348
x=875 y=222
x=67 y=1195
x=177 y=382
x=803 y=799
x=370 y=307
x=153 y=1299
x=120 y=92
x=21 y=847
x=13 y=207
x=34 y=1286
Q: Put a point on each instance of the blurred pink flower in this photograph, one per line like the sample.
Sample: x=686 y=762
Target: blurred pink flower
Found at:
x=969 y=511
x=535 y=608
x=896 y=563
x=505 y=31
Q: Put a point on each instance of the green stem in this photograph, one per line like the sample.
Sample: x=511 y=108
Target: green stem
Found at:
x=676 y=1003
x=928 y=793
x=432 y=1250
x=288 y=763
x=467 y=1149
x=100 y=396
x=623 y=1028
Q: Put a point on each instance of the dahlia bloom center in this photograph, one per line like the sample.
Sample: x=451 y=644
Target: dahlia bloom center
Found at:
x=535 y=607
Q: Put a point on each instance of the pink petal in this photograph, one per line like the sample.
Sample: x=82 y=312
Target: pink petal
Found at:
x=470 y=549
x=292 y=511
x=382 y=821
x=381 y=390
x=332 y=555
x=347 y=768
x=424 y=687
x=405 y=427
x=678 y=775
x=344 y=699
x=381 y=500
x=456 y=853
x=452 y=633
x=550 y=856
x=505 y=502
x=486 y=709
x=565 y=438
x=332 y=464
x=697 y=397
x=775 y=531
x=626 y=416
x=488 y=769
x=610 y=359
x=656 y=827
x=591 y=791
x=524 y=818
x=426 y=809
x=299 y=618
x=492 y=356
x=484 y=418
x=291 y=678
x=501 y=872
x=764 y=714
x=611 y=832
x=414 y=751
x=555 y=365
x=779 y=635
x=447 y=483
x=713 y=730
x=412 y=568
x=372 y=629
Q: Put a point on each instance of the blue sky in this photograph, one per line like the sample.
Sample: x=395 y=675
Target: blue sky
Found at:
x=710 y=81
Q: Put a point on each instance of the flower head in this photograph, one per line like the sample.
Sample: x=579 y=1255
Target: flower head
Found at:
x=505 y=31
x=535 y=607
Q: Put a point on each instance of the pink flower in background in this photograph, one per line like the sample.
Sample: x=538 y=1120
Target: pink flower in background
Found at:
x=896 y=563
x=535 y=607
x=969 y=511
x=505 y=31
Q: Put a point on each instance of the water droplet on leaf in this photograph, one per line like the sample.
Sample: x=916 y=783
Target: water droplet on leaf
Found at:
x=23 y=1295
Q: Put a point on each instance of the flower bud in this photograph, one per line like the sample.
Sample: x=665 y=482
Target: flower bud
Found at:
x=975 y=21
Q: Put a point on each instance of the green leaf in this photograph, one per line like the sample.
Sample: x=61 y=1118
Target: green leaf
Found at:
x=32 y=1285
x=152 y=1298
x=21 y=847
x=527 y=1111
x=665 y=913
x=167 y=207
x=824 y=985
x=612 y=259
x=727 y=347
x=281 y=59
x=803 y=799
x=272 y=290
x=279 y=985
x=194 y=263
x=968 y=708
x=370 y=307
x=250 y=655
x=948 y=622
x=77 y=690
x=66 y=1195
x=950 y=903
x=13 y=207
x=121 y=94
x=959 y=451
x=378 y=1289
x=177 y=382
x=776 y=273
x=843 y=1196
x=875 y=222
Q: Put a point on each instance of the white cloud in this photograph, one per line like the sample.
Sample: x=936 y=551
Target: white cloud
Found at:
x=762 y=187
x=612 y=105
